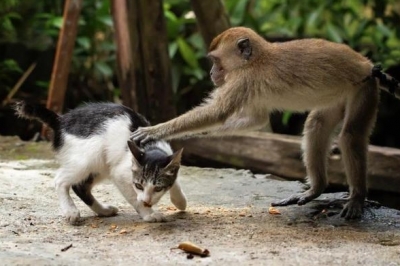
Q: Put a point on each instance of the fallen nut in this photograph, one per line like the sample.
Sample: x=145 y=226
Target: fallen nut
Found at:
x=273 y=210
x=193 y=249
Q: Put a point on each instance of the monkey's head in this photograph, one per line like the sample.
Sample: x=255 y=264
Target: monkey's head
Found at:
x=230 y=50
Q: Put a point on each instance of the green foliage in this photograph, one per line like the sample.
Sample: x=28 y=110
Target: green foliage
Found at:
x=186 y=47
x=369 y=26
x=8 y=68
x=94 y=52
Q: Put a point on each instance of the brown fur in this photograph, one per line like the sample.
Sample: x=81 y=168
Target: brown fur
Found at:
x=254 y=77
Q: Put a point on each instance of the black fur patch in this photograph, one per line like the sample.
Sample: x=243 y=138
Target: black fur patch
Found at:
x=156 y=157
x=83 y=190
x=87 y=120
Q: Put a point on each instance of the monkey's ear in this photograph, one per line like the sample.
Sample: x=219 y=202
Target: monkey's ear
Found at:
x=244 y=47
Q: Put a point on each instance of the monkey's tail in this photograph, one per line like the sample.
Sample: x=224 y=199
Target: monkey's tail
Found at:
x=38 y=112
x=386 y=82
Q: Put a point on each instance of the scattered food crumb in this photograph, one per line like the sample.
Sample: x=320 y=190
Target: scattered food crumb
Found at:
x=113 y=226
x=273 y=210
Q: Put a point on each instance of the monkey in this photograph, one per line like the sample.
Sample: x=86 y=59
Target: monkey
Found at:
x=254 y=77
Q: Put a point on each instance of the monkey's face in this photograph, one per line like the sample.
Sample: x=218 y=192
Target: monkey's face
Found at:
x=228 y=55
x=217 y=72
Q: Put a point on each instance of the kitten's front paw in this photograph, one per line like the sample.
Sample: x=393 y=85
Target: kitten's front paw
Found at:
x=107 y=211
x=72 y=216
x=155 y=217
x=179 y=202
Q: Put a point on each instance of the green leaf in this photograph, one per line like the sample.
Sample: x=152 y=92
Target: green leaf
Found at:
x=187 y=53
x=285 y=118
x=57 y=22
x=238 y=12
x=104 y=69
x=172 y=48
x=383 y=29
x=333 y=33
x=84 y=42
x=106 y=20
x=11 y=65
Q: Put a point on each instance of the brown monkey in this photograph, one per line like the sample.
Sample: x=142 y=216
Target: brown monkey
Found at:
x=254 y=77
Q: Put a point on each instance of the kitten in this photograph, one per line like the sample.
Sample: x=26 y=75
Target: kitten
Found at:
x=92 y=144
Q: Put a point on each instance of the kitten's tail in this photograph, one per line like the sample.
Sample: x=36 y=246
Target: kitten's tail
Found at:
x=38 y=112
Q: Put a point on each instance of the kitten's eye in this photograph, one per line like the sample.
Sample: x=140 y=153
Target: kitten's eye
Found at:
x=158 y=189
x=138 y=186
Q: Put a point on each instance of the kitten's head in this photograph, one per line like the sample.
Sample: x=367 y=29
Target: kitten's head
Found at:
x=154 y=172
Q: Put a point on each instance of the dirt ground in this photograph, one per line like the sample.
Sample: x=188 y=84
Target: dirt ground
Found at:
x=227 y=214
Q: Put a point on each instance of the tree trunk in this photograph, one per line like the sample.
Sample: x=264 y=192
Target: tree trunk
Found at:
x=126 y=50
x=155 y=62
x=62 y=61
x=211 y=18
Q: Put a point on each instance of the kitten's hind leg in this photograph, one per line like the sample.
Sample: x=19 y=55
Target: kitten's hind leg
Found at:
x=177 y=196
x=84 y=192
x=67 y=205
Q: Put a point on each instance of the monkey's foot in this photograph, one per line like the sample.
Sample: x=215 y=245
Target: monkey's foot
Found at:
x=299 y=199
x=353 y=209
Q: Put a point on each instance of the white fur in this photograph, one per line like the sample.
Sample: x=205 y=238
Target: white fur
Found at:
x=107 y=155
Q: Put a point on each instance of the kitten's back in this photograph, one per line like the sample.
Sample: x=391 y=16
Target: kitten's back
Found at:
x=89 y=119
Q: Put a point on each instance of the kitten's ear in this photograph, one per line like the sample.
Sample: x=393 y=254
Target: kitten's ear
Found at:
x=137 y=153
x=171 y=170
x=176 y=158
x=173 y=166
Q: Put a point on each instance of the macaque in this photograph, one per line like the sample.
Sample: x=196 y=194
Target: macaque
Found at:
x=254 y=77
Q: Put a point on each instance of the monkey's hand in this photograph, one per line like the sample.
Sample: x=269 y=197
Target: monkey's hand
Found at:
x=144 y=135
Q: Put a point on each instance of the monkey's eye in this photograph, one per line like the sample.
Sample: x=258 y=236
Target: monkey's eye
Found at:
x=138 y=186
x=158 y=189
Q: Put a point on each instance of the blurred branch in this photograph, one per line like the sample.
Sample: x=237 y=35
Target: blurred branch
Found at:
x=18 y=85
x=211 y=18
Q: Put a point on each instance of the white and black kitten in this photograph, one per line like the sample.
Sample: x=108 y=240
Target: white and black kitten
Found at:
x=93 y=143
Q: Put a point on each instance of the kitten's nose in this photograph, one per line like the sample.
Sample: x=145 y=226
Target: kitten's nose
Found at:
x=146 y=204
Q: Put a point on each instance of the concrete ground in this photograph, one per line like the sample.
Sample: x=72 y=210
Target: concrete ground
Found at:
x=227 y=214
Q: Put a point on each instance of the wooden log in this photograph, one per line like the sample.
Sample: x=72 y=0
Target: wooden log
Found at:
x=211 y=18
x=63 y=57
x=281 y=155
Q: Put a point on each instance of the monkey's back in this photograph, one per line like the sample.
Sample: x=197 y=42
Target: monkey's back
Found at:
x=315 y=68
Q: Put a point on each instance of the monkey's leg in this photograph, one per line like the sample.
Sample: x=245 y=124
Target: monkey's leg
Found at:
x=317 y=135
x=358 y=123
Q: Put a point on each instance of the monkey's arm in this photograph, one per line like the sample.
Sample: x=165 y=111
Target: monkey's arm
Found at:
x=221 y=114
x=200 y=119
x=231 y=126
